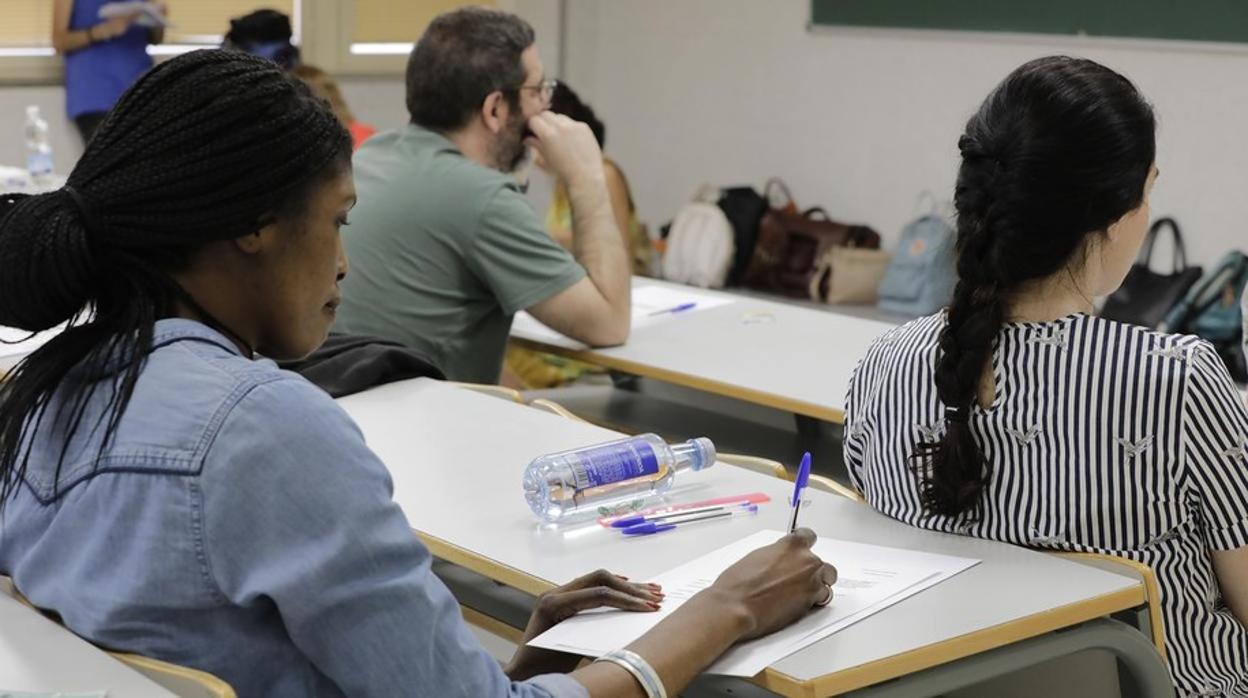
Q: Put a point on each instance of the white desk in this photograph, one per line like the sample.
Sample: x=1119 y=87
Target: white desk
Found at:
x=769 y=353
x=457 y=457
x=37 y=655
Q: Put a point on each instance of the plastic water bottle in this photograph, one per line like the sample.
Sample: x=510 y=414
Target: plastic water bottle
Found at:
x=596 y=479
x=38 y=149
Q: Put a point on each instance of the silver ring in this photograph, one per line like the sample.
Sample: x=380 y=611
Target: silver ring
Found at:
x=827 y=600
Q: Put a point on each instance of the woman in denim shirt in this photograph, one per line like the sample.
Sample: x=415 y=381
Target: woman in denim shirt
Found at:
x=166 y=492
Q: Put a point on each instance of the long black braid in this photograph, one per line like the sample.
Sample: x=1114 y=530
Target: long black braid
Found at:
x=211 y=145
x=1058 y=152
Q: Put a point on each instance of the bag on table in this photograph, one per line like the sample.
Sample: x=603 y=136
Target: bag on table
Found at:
x=1212 y=310
x=791 y=244
x=1146 y=296
x=921 y=275
x=848 y=275
x=700 y=244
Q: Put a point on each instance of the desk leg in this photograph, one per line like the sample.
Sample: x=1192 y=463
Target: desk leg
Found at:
x=1145 y=672
x=624 y=381
x=807 y=427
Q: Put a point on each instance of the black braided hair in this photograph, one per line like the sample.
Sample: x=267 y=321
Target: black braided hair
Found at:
x=1057 y=153
x=209 y=146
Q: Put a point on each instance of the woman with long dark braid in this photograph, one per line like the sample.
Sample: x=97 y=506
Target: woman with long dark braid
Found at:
x=1017 y=415
x=166 y=493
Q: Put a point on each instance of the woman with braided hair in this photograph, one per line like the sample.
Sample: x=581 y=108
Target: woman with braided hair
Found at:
x=166 y=492
x=1017 y=415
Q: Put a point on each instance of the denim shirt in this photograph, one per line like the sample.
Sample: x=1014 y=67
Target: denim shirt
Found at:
x=238 y=524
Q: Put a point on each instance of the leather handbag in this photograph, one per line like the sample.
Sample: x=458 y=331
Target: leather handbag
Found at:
x=744 y=208
x=1146 y=296
x=790 y=245
x=848 y=275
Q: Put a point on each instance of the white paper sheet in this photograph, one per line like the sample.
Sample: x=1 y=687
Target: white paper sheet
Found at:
x=149 y=14
x=870 y=578
x=648 y=304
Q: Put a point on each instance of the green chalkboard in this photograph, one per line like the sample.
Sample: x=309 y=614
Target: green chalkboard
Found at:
x=1186 y=20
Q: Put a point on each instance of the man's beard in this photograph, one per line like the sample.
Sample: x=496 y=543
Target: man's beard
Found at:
x=510 y=152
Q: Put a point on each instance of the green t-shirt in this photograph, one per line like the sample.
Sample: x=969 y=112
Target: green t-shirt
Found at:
x=442 y=254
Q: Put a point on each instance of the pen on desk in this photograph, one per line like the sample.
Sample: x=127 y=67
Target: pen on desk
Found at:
x=676 y=309
x=649 y=527
x=643 y=518
x=803 y=476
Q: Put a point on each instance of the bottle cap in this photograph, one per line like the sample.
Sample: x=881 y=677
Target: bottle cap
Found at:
x=703 y=453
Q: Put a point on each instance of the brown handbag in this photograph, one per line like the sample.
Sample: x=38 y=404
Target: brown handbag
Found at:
x=791 y=244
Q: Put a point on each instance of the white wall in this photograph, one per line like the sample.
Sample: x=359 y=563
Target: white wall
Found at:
x=732 y=91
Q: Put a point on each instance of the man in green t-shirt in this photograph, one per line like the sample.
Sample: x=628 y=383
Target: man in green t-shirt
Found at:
x=443 y=247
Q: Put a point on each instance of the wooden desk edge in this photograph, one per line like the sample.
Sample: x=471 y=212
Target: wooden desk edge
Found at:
x=510 y=576
x=954 y=648
x=757 y=397
x=870 y=673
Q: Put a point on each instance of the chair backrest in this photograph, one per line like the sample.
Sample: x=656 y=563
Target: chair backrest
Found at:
x=545 y=405
x=766 y=466
x=497 y=391
x=827 y=484
x=183 y=681
x=1134 y=568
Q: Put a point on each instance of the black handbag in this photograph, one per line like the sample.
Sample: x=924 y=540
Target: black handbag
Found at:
x=1145 y=295
x=744 y=208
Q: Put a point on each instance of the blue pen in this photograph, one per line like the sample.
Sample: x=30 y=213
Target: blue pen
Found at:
x=644 y=518
x=680 y=308
x=803 y=476
x=652 y=527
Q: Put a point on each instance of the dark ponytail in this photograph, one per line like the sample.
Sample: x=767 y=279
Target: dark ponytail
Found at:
x=208 y=146
x=1057 y=153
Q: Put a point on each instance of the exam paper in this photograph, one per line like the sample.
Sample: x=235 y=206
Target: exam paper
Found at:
x=870 y=579
x=647 y=300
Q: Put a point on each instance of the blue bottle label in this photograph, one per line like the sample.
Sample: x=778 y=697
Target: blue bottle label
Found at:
x=39 y=163
x=617 y=462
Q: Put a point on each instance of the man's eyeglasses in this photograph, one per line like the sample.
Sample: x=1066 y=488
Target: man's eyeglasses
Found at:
x=544 y=89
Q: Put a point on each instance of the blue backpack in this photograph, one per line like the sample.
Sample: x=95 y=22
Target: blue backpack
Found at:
x=921 y=275
x=1212 y=311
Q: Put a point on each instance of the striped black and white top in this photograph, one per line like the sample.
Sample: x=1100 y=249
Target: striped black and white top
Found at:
x=1103 y=437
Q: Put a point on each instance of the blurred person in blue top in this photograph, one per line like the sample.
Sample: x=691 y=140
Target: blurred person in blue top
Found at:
x=103 y=57
x=166 y=491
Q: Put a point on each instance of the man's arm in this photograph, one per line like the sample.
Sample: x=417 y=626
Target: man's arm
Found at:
x=597 y=309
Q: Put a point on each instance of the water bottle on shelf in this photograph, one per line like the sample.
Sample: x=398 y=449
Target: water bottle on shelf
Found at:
x=38 y=149
x=595 y=479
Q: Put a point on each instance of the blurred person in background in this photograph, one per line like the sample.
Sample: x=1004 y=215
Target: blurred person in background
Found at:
x=103 y=56
x=324 y=86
